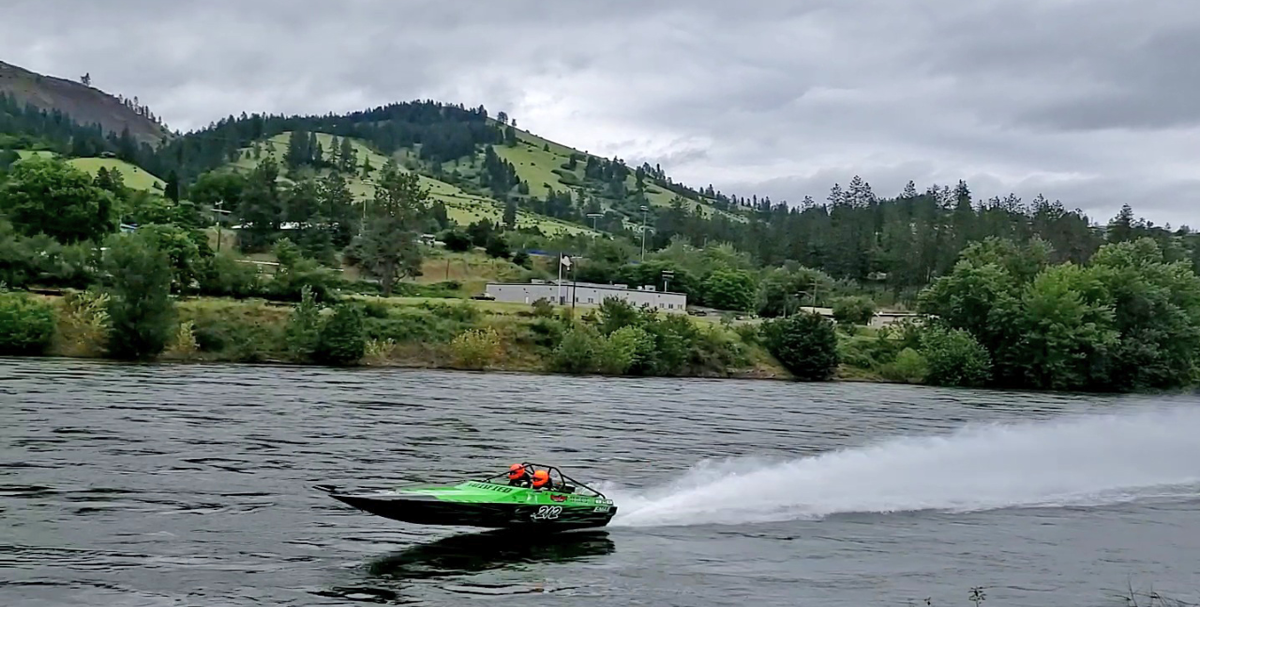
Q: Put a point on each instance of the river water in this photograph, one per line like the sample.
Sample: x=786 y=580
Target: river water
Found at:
x=191 y=485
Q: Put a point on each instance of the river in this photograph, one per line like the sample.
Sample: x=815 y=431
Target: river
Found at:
x=191 y=485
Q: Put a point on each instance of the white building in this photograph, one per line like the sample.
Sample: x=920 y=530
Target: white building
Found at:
x=884 y=318
x=588 y=294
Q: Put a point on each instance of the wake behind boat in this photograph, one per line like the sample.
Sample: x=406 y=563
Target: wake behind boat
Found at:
x=525 y=496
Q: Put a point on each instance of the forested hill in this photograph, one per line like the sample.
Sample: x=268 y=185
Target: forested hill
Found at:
x=62 y=100
x=476 y=164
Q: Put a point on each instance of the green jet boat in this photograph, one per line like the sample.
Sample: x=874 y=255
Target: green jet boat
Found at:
x=562 y=503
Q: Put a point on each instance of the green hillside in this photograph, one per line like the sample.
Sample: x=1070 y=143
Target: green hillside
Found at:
x=464 y=208
x=134 y=177
x=541 y=163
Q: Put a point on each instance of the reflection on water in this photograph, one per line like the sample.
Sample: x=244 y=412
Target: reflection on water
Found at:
x=453 y=564
x=472 y=553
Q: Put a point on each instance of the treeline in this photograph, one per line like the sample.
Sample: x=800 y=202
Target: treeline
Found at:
x=1007 y=316
x=441 y=133
x=131 y=308
x=909 y=240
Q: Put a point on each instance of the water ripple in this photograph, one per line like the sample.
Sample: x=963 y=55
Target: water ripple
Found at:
x=183 y=485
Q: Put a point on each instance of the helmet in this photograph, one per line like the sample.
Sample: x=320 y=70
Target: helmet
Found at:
x=517 y=471
x=540 y=478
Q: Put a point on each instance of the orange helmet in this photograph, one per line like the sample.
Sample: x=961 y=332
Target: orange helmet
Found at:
x=517 y=471
x=540 y=478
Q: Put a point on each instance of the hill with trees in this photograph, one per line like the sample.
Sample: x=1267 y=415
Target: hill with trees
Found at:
x=56 y=101
x=349 y=204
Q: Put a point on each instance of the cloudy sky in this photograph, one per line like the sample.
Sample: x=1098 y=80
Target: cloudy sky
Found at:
x=1092 y=102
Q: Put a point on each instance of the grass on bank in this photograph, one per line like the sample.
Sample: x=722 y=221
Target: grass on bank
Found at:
x=419 y=332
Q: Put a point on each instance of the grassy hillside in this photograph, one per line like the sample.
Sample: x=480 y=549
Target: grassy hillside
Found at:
x=473 y=269
x=464 y=208
x=538 y=161
x=85 y=104
x=134 y=177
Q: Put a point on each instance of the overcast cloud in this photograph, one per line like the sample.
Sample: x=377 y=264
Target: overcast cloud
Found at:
x=1091 y=102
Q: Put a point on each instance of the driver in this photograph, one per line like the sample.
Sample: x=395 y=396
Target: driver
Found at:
x=518 y=476
x=541 y=479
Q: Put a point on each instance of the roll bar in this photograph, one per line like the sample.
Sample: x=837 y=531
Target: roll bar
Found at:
x=553 y=472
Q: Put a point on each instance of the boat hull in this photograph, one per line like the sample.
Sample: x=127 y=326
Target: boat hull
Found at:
x=428 y=510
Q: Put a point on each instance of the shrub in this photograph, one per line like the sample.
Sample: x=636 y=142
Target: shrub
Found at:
x=142 y=314
x=578 y=351
x=185 y=344
x=83 y=324
x=909 y=367
x=302 y=333
x=855 y=353
x=748 y=333
x=378 y=350
x=955 y=358
x=224 y=275
x=627 y=350
x=242 y=337
x=853 y=310
x=27 y=325
x=805 y=343
x=342 y=338
x=475 y=348
x=543 y=308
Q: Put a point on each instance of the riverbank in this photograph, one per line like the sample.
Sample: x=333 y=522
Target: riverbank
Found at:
x=452 y=334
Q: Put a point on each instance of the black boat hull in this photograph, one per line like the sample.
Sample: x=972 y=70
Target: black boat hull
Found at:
x=426 y=510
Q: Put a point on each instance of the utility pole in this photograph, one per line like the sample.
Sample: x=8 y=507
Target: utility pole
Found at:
x=644 y=228
x=221 y=214
x=573 y=300
x=595 y=219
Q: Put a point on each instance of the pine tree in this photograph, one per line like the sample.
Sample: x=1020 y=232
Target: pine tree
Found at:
x=335 y=152
x=171 y=187
x=347 y=160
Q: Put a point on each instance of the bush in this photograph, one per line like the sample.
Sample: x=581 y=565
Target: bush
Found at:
x=578 y=352
x=224 y=275
x=142 y=314
x=955 y=358
x=41 y=260
x=475 y=348
x=856 y=353
x=83 y=324
x=627 y=350
x=543 y=308
x=546 y=332
x=27 y=325
x=342 y=339
x=302 y=333
x=243 y=336
x=853 y=310
x=909 y=367
x=179 y=245
x=749 y=333
x=805 y=343
x=185 y=344
x=296 y=272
